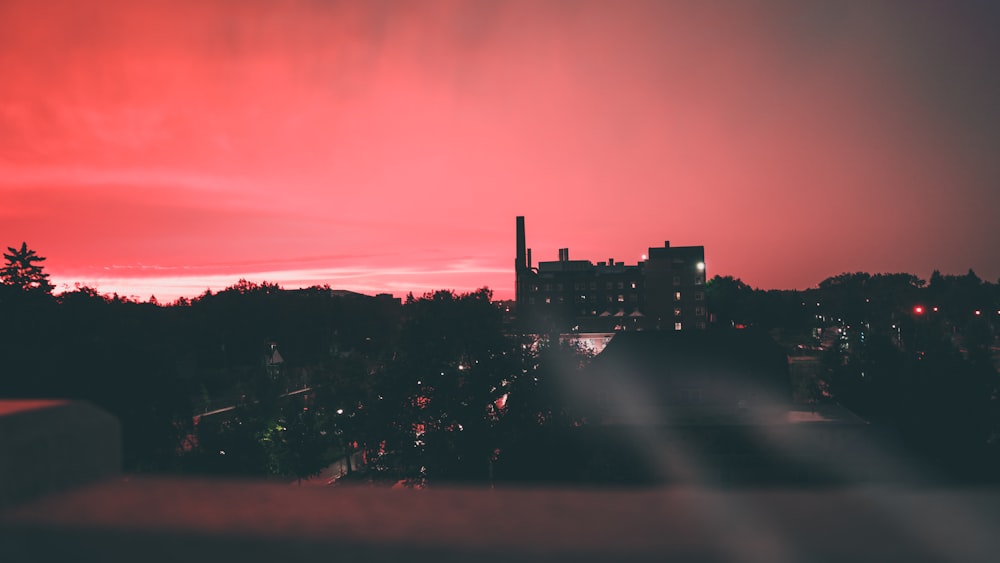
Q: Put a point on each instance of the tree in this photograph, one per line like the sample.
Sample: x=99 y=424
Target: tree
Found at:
x=436 y=413
x=22 y=270
x=296 y=444
x=730 y=301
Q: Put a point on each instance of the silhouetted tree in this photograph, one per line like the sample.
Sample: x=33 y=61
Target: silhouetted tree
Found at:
x=437 y=411
x=22 y=269
x=730 y=301
x=296 y=443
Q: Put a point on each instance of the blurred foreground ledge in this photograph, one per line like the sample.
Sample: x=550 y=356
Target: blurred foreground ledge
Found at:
x=64 y=500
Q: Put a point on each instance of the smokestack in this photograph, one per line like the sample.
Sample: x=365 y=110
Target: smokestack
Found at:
x=529 y=258
x=521 y=261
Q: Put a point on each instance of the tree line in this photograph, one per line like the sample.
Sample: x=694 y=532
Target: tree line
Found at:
x=261 y=381
x=918 y=358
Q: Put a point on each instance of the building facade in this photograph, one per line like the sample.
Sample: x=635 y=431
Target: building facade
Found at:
x=666 y=291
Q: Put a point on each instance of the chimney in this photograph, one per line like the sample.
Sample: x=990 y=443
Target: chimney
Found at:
x=611 y=261
x=529 y=258
x=520 y=261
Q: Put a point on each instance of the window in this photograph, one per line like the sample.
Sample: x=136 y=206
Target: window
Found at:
x=621 y=285
x=548 y=300
x=633 y=285
x=677 y=296
x=677 y=312
x=699 y=280
x=677 y=326
x=699 y=296
x=700 y=325
x=699 y=311
x=621 y=298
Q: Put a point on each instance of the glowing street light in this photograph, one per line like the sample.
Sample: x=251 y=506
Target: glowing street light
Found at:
x=919 y=309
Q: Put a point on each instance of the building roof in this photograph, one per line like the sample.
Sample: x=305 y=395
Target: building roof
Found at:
x=654 y=377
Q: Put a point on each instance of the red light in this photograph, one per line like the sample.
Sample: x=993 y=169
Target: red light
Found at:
x=918 y=310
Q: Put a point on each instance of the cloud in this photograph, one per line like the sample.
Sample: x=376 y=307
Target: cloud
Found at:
x=211 y=132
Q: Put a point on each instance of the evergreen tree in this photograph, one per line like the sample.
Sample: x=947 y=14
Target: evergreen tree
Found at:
x=22 y=270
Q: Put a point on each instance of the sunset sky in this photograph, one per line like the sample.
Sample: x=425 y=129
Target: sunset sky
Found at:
x=165 y=147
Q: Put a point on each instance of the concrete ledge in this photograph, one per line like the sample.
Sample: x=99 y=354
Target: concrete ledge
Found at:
x=53 y=445
x=156 y=519
x=49 y=447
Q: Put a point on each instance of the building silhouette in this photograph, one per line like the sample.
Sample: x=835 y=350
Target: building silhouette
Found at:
x=665 y=291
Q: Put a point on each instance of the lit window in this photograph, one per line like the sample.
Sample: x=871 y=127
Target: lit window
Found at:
x=677 y=296
x=621 y=298
x=677 y=312
x=548 y=300
x=633 y=285
x=677 y=326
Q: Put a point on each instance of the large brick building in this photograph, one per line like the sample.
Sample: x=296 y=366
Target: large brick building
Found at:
x=665 y=291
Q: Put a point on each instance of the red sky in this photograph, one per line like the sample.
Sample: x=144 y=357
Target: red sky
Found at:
x=165 y=147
